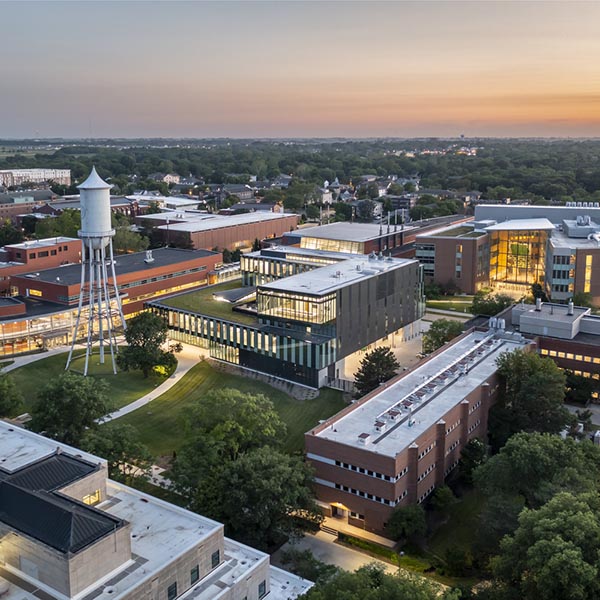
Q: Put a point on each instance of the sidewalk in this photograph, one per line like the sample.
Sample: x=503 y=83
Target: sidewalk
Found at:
x=343 y=527
x=186 y=359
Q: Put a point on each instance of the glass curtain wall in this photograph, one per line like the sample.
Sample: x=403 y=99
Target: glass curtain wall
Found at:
x=296 y=307
x=518 y=257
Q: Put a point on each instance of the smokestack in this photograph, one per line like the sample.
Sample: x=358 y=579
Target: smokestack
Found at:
x=570 y=310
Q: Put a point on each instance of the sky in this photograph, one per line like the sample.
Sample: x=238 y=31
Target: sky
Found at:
x=299 y=69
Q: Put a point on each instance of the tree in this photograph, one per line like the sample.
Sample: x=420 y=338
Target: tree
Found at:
x=237 y=422
x=10 y=395
x=484 y=303
x=66 y=224
x=304 y=564
x=365 y=210
x=578 y=389
x=260 y=496
x=9 y=234
x=555 y=551
x=440 y=332
x=532 y=390
x=371 y=582
x=125 y=241
x=312 y=212
x=472 y=456
x=442 y=498
x=118 y=443
x=145 y=335
x=256 y=246
x=407 y=523
x=343 y=211
x=68 y=405
x=537 y=466
x=537 y=291
x=583 y=299
x=377 y=366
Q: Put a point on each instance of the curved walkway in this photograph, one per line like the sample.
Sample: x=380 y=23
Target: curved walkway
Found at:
x=186 y=359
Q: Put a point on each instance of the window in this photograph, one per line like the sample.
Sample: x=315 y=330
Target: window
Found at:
x=43 y=254
x=172 y=591
x=215 y=559
x=52 y=252
x=32 y=255
x=194 y=575
x=91 y=499
x=262 y=589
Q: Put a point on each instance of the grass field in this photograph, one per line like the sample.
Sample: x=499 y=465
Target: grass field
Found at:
x=161 y=423
x=202 y=301
x=124 y=387
x=456 y=303
x=6 y=363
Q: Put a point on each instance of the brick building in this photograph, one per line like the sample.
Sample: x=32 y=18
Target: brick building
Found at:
x=395 y=445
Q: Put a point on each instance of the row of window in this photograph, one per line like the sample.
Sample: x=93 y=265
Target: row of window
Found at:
x=453 y=427
x=475 y=426
x=426 y=472
x=370 y=473
x=132 y=284
x=452 y=446
x=563 y=260
x=426 y=493
x=474 y=407
x=570 y=356
x=426 y=451
x=362 y=494
x=451 y=467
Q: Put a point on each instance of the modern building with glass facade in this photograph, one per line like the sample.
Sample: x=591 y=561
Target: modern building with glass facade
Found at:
x=302 y=327
x=512 y=255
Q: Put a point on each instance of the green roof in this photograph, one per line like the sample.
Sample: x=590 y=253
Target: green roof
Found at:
x=202 y=302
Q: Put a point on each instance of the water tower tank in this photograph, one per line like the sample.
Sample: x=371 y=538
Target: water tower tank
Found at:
x=95 y=210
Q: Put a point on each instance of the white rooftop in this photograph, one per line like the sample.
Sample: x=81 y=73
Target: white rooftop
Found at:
x=20 y=447
x=333 y=277
x=288 y=253
x=350 y=232
x=522 y=225
x=42 y=243
x=207 y=223
x=422 y=396
x=560 y=239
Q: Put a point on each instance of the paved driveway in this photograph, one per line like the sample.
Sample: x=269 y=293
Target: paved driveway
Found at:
x=323 y=548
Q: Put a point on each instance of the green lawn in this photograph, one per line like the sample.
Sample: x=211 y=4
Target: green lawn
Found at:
x=6 y=363
x=124 y=387
x=202 y=302
x=161 y=423
x=457 y=303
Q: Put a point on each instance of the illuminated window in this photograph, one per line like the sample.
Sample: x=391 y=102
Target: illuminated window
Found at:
x=587 y=283
x=91 y=499
x=36 y=293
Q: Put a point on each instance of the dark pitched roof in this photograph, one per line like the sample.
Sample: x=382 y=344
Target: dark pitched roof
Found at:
x=52 y=473
x=30 y=504
x=56 y=521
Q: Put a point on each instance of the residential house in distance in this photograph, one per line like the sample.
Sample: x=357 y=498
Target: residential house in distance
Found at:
x=168 y=178
x=69 y=532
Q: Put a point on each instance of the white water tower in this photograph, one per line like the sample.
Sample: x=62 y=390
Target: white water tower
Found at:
x=96 y=235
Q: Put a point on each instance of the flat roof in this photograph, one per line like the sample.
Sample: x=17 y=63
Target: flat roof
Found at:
x=560 y=239
x=20 y=447
x=350 y=232
x=124 y=264
x=552 y=312
x=421 y=396
x=522 y=225
x=204 y=223
x=330 y=278
x=42 y=243
x=288 y=253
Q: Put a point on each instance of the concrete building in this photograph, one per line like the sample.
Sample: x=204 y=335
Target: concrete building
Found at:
x=395 y=445
x=13 y=177
x=42 y=313
x=304 y=327
x=70 y=532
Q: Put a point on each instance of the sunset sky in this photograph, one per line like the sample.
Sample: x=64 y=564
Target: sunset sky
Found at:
x=301 y=69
